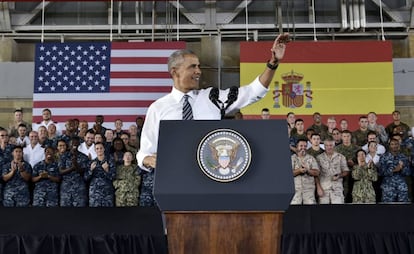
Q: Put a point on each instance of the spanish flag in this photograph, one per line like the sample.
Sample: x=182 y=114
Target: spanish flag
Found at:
x=336 y=78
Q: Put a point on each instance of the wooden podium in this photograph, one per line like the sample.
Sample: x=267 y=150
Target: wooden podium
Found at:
x=207 y=216
x=224 y=232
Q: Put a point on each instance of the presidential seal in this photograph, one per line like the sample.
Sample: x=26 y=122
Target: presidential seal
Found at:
x=224 y=155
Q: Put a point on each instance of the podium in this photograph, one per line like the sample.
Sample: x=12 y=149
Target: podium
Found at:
x=210 y=209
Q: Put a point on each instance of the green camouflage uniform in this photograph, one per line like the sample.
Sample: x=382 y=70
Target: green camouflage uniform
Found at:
x=363 y=191
x=126 y=185
x=349 y=153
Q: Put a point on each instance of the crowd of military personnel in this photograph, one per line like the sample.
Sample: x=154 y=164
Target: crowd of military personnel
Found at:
x=42 y=165
x=73 y=167
x=332 y=165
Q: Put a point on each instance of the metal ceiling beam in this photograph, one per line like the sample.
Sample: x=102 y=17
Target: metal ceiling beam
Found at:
x=86 y=28
x=24 y=19
x=5 y=23
x=395 y=16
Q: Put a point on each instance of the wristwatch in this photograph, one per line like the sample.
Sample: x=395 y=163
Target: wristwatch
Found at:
x=272 y=66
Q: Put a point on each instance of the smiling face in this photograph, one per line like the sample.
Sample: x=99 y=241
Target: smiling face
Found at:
x=186 y=73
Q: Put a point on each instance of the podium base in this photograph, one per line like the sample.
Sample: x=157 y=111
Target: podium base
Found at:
x=224 y=232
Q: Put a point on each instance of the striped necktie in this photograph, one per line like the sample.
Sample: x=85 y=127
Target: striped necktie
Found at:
x=187 y=111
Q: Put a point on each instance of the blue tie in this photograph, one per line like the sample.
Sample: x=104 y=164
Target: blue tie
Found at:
x=187 y=111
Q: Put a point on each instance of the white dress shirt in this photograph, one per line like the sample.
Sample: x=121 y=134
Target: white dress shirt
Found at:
x=33 y=155
x=380 y=149
x=23 y=142
x=35 y=126
x=170 y=107
x=88 y=150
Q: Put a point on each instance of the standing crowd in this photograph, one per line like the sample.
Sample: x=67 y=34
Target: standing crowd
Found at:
x=75 y=167
x=333 y=165
x=81 y=166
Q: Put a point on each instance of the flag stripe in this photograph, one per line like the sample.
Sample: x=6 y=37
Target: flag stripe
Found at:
x=91 y=104
x=102 y=96
x=150 y=68
x=140 y=82
x=140 y=89
x=117 y=111
x=152 y=46
x=156 y=75
x=337 y=77
x=140 y=60
x=109 y=119
x=83 y=79
x=320 y=52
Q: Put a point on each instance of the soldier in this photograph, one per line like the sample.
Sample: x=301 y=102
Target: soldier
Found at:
x=70 y=131
x=298 y=133
x=100 y=175
x=364 y=173
x=348 y=150
x=5 y=148
x=360 y=136
x=46 y=178
x=17 y=174
x=18 y=120
x=72 y=166
x=394 y=167
x=318 y=126
x=315 y=150
x=378 y=128
x=22 y=139
x=333 y=169
x=127 y=182
x=404 y=128
x=305 y=169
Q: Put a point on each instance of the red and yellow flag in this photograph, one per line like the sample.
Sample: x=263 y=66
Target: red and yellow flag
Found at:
x=346 y=79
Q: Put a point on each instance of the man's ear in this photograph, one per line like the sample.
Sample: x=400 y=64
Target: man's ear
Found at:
x=172 y=72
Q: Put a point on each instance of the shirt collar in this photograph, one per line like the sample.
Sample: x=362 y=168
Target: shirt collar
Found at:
x=178 y=95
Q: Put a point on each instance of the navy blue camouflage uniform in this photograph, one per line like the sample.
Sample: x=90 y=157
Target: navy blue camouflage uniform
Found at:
x=394 y=187
x=5 y=159
x=46 y=192
x=146 y=197
x=73 y=186
x=16 y=189
x=101 y=189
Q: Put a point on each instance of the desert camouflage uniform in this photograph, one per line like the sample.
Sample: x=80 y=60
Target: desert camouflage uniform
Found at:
x=46 y=191
x=126 y=185
x=304 y=184
x=328 y=168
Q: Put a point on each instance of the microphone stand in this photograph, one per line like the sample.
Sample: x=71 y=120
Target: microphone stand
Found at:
x=232 y=97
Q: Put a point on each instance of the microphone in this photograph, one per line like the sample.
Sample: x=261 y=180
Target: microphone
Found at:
x=214 y=96
x=232 y=96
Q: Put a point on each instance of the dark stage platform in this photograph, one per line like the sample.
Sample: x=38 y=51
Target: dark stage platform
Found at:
x=346 y=229
x=81 y=231
x=329 y=229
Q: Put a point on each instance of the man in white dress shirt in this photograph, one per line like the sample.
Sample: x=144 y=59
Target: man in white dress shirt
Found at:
x=34 y=152
x=88 y=147
x=184 y=67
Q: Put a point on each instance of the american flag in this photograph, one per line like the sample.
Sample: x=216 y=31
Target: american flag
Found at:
x=85 y=79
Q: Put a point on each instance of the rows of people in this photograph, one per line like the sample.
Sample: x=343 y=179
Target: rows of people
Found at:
x=334 y=165
x=78 y=167
x=82 y=166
